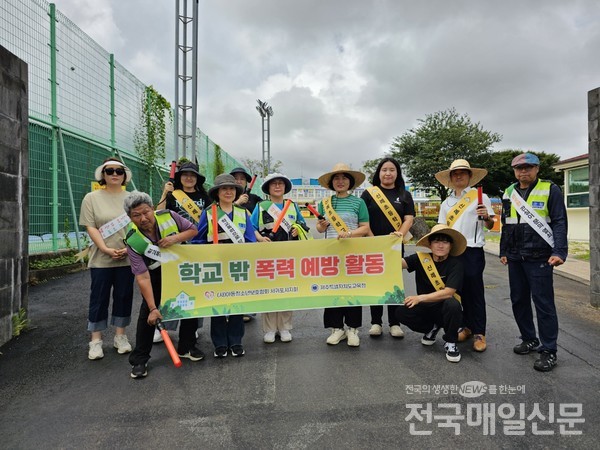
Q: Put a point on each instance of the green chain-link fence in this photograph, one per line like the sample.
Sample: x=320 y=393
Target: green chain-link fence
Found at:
x=83 y=107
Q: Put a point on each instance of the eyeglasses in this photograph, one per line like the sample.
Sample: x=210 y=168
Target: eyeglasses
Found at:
x=111 y=171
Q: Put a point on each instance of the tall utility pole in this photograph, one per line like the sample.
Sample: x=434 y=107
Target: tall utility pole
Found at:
x=265 y=112
x=184 y=75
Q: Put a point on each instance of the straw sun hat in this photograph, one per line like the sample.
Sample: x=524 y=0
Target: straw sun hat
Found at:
x=476 y=174
x=325 y=179
x=459 y=243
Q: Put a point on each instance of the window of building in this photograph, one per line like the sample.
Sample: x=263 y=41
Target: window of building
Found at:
x=578 y=188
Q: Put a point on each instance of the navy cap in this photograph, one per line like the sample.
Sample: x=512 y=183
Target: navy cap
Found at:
x=525 y=158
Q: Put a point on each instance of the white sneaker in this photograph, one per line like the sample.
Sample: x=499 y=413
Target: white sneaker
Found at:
x=452 y=352
x=285 y=336
x=269 y=337
x=95 y=351
x=337 y=335
x=353 y=340
x=122 y=344
x=157 y=336
x=396 y=331
x=375 y=330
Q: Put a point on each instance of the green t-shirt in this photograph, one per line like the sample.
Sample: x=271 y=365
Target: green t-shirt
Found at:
x=352 y=210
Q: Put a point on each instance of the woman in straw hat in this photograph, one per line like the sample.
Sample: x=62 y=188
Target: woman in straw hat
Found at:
x=102 y=215
x=462 y=211
x=264 y=216
x=226 y=332
x=437 y=303
x=353 y=222
x=388 y=184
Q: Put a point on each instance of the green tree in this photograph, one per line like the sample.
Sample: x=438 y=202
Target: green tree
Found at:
x=438 y=140
x=255 y=166
x=218 y=167
x=150 y=136
x=501 y=175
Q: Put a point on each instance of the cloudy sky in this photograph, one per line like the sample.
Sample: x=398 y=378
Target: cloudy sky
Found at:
x=344 y=77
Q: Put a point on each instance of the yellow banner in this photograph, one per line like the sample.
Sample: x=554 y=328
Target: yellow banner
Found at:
x=216 y=280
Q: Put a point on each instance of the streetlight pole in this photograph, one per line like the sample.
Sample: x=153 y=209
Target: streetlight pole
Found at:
x=265 y=112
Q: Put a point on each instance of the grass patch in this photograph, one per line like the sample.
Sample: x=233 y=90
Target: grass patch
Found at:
x=50 y=263
x=20 y=322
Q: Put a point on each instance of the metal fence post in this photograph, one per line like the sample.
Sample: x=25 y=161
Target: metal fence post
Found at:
x=54 y=120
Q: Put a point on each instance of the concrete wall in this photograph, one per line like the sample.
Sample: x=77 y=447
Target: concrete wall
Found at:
x=594 y=151
x=14 y=204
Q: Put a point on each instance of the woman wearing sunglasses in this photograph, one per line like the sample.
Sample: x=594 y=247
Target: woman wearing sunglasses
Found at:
x=103 y=215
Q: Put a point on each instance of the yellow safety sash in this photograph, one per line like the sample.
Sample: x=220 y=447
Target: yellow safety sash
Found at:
x=335 y=220
x=432 y=273
x=458 y=209
x=188 y=204
x=388 y=210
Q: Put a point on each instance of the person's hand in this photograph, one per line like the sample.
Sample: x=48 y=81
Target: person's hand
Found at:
x=397 y=233
x=154 y=316
x=504 y=260
x=264 y=239
x=167 y=241
x=294 y=232
x=116 y=254
x=242 y=200
x=168 y=188
x=322 y=225
x=555 y=261
x=345 y=235
x=483 y=212
x=411 y=301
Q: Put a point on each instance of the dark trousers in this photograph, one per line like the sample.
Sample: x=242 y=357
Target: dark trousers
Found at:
x=422 y=317
x=533 y=280
x=336 y=317
x=227 y=331
x=473 y=291
x=377 y=314
x=119 y=280
x=144 y=334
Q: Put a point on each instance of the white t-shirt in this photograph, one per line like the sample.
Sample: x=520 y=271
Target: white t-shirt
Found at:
x=468 y=224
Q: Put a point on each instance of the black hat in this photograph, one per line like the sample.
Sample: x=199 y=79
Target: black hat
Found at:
x=241 y=170
x=190 y=167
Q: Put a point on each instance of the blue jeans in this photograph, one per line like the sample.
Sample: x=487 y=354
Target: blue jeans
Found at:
x=533 y=280
x=227 y=331
x=120 y=281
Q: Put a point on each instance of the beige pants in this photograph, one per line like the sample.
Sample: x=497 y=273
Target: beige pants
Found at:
x=277 y=321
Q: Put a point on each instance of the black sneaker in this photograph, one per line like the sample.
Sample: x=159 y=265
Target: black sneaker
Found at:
x=546 y=362
x=429 y=338
x=526 y=346
x=139 y=371
x=452 y=353
x=237 y=350
x=195 y=354
x=220 y=352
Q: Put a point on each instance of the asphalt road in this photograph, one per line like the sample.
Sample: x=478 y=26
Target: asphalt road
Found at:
x=304 y=394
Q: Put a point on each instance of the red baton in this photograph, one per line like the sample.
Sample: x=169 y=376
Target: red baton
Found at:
x=251 y=185
x=314 y=212
x=168 y=343
x=480 y=198
x=173 y=169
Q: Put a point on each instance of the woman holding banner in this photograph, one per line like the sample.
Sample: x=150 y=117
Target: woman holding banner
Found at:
x=185 y=195
x=391 y=211
x=344 y=216
x=102 y=214
x=225 y=223
x=290 y=224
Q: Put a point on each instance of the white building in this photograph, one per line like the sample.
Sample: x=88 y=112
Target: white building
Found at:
x=577 y=199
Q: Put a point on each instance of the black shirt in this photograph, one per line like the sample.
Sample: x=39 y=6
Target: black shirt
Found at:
x=199 y=198
x=401 y=201
x=450 y=270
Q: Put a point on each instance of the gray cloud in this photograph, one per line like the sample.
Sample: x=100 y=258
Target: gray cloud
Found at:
x=345 y=77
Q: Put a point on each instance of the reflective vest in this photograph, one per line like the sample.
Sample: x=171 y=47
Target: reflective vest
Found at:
x=537 y=199
x=520 y=239
x=265 y=221
x=138 y=241
x=239 y=220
